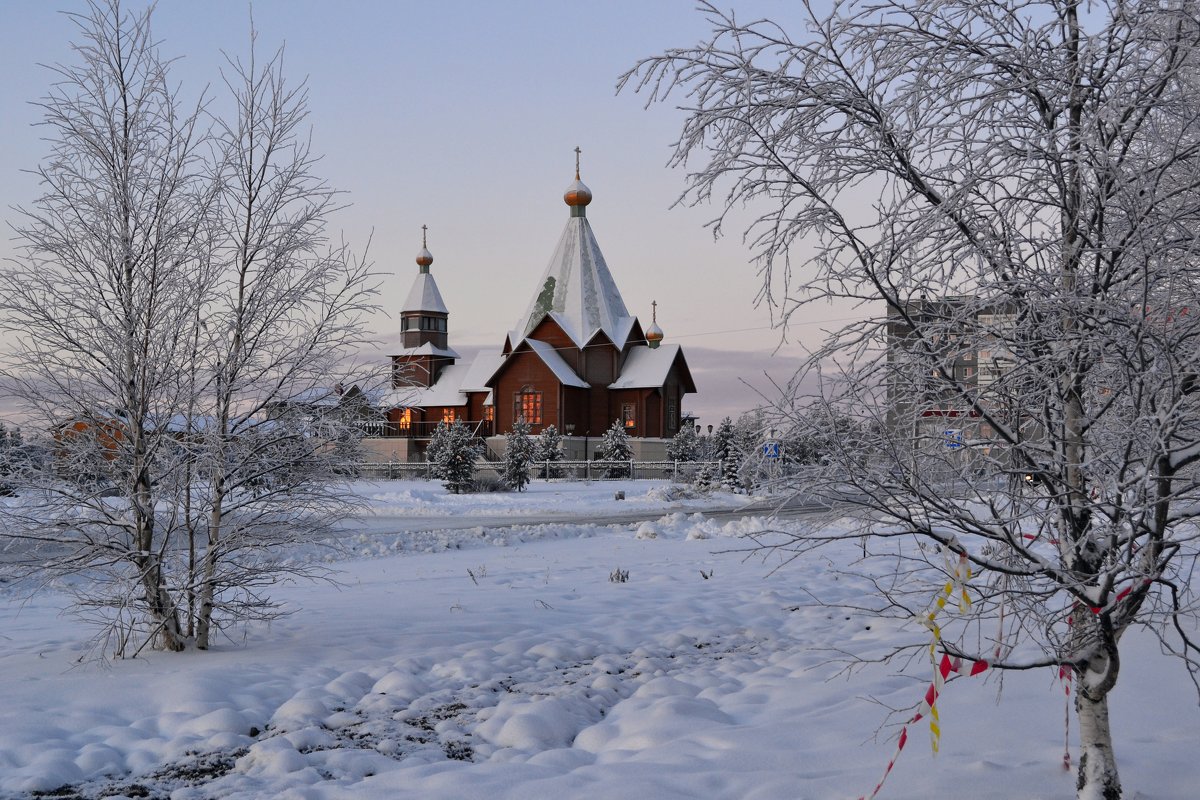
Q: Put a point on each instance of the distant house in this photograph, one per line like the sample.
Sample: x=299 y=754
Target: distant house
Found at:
x=576 y=359
x=102 y=438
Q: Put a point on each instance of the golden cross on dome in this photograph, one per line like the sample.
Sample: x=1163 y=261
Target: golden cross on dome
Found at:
x=577 y=152
x=424 y=228
x=654 y=311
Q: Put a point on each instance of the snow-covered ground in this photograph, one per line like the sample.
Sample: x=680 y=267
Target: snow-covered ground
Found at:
x=489 y=662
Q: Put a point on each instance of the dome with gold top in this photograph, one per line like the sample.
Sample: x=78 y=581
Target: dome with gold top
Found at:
x=654 y=335
x=424 y=257
x=577 y=194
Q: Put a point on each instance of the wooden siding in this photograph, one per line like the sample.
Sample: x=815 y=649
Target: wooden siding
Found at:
x=551 y=333
x=526 y=368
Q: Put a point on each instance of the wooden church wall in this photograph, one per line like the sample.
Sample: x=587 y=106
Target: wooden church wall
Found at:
x=548 y=331
x=526 y=369
x=412 y=371
x=575 y=411
x=644 y=410
x=653 y=405
x=600 y=363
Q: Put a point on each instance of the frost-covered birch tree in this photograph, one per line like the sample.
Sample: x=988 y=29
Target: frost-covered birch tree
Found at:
x=1010 y=192
x=99 y=306
x=175 y=309
x=283 y=317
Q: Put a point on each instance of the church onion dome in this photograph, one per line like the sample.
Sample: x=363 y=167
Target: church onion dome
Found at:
x=654 y=335
x=577 y=194
x=424 y=257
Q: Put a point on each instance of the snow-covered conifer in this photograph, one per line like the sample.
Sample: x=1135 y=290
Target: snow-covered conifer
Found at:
x=614 y=446
x=454 y=459
x=685 y=445
x=548 y=448
x=726 y=451
x=435 y=450
x=518 y=455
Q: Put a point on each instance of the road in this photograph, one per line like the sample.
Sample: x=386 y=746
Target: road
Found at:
x=788 y=508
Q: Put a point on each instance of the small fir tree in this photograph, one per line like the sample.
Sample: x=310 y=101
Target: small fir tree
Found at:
x=749 y=433
x=519 y=455
x=615 y=447
x=548 y=448
x=704 y=478
x=434 y=453
x=685 y=446
x=725 y=450
x=453 y=457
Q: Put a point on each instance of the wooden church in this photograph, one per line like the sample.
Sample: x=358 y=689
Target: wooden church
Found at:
x=576 y=358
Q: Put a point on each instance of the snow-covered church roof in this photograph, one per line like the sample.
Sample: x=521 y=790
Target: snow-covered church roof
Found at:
x=452 y=386
x=577 y=287
x=424 y=295
x=648 y=368
x=427 y=349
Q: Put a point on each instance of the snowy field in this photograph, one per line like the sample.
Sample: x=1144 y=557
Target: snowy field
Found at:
x=501 y=662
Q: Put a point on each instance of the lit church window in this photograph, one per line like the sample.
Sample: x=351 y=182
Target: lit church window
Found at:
x=528 y=404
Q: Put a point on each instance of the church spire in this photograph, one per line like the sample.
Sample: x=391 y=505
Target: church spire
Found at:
x=424 y=296
x=577 y=287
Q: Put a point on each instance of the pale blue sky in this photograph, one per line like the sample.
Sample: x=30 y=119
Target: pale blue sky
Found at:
x=464 y=116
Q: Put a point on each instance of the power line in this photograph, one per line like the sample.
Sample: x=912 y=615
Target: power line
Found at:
x=705 y=333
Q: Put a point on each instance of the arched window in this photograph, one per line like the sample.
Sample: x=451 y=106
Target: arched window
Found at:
x=527 y=403
x=405 y=421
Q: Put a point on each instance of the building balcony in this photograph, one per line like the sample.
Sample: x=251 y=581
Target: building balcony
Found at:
x=382 y=429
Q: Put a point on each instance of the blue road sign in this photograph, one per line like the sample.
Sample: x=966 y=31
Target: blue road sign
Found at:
x=770 y=449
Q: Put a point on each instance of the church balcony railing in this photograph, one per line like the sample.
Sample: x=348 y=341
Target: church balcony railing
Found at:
x=416 y=430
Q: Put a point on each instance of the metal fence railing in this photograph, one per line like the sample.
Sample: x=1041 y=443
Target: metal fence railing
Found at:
x=558 y=470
